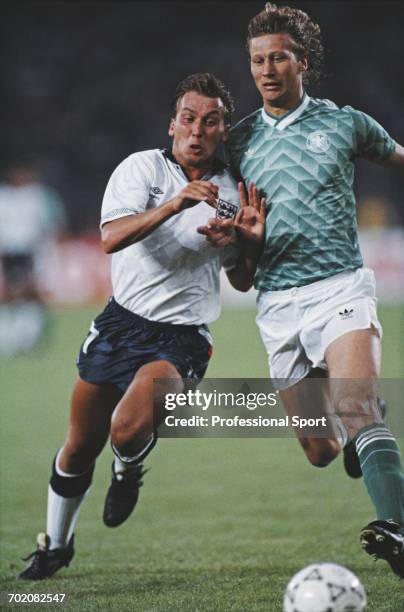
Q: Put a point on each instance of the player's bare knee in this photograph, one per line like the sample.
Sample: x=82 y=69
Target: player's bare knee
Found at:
x=124 y=432
x=76 y=462
x=320 y=454
x=357 y=406
x=78 y=456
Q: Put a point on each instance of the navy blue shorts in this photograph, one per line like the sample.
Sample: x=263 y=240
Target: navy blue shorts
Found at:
x=120 y=342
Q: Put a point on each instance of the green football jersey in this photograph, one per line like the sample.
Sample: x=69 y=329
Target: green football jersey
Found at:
x=304 y=164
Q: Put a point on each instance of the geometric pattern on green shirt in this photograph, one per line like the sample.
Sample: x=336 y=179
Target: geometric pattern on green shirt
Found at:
x=304 y=164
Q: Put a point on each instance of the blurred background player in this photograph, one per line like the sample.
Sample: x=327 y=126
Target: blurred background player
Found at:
x=165 y=279
x=32 y=217
x=316 y=301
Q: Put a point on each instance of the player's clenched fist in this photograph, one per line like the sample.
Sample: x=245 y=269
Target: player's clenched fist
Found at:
x=195 y=192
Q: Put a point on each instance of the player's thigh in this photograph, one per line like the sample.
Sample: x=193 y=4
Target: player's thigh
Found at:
x=356 y=354
x=310 y=397
x=90 y=417
x=141 y=408
x=353 y=362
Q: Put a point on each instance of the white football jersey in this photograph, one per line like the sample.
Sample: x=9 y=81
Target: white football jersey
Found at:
x=172 y=275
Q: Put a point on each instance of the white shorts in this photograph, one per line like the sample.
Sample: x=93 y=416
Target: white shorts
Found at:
x=297 y=325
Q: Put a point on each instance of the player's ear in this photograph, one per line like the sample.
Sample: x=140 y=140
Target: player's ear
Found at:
x=171 y=127
x=226 y=133
x=304 y=64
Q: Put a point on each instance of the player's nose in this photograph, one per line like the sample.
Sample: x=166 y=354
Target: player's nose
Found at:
x=268 y=68
x=197 y=128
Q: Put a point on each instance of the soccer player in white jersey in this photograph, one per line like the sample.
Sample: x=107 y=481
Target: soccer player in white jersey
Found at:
x=316 y=301
x=32 y=217
x=165 y=279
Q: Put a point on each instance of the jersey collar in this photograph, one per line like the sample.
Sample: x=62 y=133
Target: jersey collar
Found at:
x=217 y=165
x=289 y=117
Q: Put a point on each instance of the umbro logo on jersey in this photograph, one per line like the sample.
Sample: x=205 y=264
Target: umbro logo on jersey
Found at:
x=155 y=191
x=346 y=314
x=318 y=142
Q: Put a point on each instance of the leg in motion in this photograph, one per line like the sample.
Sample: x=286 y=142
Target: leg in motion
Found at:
x=354 y=365
x=72 y=471
x=133 y=436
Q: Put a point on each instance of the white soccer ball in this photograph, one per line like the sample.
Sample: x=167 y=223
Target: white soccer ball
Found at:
x=324 y=587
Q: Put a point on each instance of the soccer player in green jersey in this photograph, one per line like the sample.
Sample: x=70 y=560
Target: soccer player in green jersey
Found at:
x=316 y=301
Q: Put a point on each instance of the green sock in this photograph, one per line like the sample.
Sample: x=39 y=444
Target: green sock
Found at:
x=379 y=458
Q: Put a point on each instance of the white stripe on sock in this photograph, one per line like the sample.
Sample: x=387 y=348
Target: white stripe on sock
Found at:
x=385 y=435
x=364 y=435
x=125 y=460
x=61 y=472
x=368 y=435
x=365 y=444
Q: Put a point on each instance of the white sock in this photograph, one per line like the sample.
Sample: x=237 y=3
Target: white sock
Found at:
x=120 y=467
x=62 y=513
x=62 y=516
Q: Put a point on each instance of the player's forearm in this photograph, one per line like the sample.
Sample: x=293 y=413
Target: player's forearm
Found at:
x=242 y=276
x=120 y=233
x=397 y=158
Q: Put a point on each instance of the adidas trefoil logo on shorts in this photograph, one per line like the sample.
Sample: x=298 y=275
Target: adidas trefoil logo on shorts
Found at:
x=346 y=314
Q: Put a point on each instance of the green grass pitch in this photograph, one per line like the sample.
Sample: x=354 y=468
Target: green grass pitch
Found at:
x=222 y=524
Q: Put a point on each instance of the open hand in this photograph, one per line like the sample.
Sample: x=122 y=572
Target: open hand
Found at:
x=250 y=219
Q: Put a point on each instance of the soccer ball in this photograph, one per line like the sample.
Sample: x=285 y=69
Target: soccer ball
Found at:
x=324 y=587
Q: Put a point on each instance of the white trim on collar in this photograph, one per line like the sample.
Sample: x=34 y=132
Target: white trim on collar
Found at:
x=283 y=122
x=267 y=118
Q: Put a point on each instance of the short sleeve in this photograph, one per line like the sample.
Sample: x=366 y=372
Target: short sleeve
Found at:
x=128 y=189
x=371 y=140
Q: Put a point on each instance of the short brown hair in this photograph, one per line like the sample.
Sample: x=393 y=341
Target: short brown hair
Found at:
x=205 y=84
x=305 y=33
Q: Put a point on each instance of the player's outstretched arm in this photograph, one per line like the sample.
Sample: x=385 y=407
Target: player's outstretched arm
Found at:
x=247 y=230
x=120 y=233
